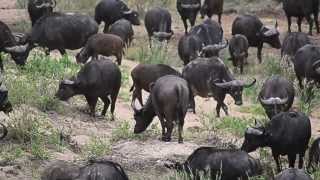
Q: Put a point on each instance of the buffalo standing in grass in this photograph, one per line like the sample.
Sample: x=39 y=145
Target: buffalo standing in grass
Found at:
x=292 y=43
x=188 y=10
x=100 y=78
x=211 y=7
x=58 y=31
x=158 y=24
x=256 y=33
x=210 y=77
x=293 y=174
x=39 y=8
x=110 y=11
x=276 y=95
x=219 y=164
x=145 y=74
x=169 y=100
x=238 y=49
x=123 y=28
x=314 y=155
x=302 y=9
x=287 y=133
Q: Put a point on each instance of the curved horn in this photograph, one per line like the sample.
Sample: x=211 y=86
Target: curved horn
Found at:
x=68 y=82
x=133 y=105
x=254 y=131
x=5 y=131
x=251 y=84
x=43 y=5
x=53 y=3
x=190 y=6
x=274 y=101
x=270 y=32
x=316 y=66
x=127 y=12
x=224 y=85
x=17 y=49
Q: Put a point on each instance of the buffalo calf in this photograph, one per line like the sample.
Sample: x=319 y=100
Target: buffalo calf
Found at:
x=238 y=49
x=287 y=133
x=123 y=28
x=97 y=79
x=102 y=44
x=219 y=164
x=169 y=100
x=211 y=7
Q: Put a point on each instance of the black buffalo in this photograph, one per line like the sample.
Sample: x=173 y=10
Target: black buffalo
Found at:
x=100 y=78
x=123 y=28
x=314 y=155
x=39 y=8
x=293 y=174
x=292 y=43
x=210 y=77
x=211 y=7
x=58 y=31
x=288 y=133
x=256 y=33
x=109 y=11
x=158 y=24
x=306 y=64
x=189 y=48
x=276 y=95
x=145 y=74
x=219 y=164
x=238 y=49
x=302 y=9
x=188 y=10
x=169 y=100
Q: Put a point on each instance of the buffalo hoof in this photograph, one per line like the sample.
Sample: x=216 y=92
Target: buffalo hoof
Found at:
x=180 y=141
x=166 y=139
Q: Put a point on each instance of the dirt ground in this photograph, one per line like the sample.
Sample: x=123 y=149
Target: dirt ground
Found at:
x=139 y=157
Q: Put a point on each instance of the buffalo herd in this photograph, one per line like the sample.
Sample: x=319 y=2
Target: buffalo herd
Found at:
x=172 y=93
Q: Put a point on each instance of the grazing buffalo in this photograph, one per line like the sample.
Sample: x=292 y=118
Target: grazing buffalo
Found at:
x=94 y=170
x=39 y=8
x=158 y=24
x=302 y=9
x=100 y=78
x=169 y=100
x=189 y=48
x=110 y=11
x=219 y=164
x=293 y=174
x=123 y=28
x=58 y=31
x=314 y=155
x=238 y=49
x=276 y=95
x=188 y=10
x=288 y=133
x=211 y=7
x=7 y=42
x=102 y=44
x=256 y=33
x=145 y=74
x=306 y=64
x=292 y=43
x=210 y=77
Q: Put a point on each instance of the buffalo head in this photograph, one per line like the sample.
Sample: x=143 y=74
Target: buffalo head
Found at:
x=143 y=116
x=316 y=67
x=82 y=56
x=235 y=88
x=19 y=53
x=273 y=105
x=213 y=50
x=132 y=16
x=254 y=138
x=161 y=36
x=270 y=35
x=67 y=89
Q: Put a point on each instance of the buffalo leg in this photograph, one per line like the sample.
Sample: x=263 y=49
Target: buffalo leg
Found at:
x=62 y=51
x=163 y=126
x=106 y=28
x=137 y=94
x=315 y=16
x=193 y=20
x=300 y=82
x=180 y=126
x=289 y=23
x=169 y=125
x=184 y=20
x=299 y=22
x=301 y=160
x=1 y=64
x=119 y=58
x=92 y=102
x=192 y=104
x=225 y=109
x=241 y=65
x=113 y=103
x=219 y=18
x=106 y=101
x=276 y=158
x=292 y=160
x=260 y=53
x=310 y=21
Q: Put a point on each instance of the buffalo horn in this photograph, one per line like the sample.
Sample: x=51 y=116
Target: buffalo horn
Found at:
x=251 y=84
x=270 y=32
x=254 y=131
x=68 y=82
x=16 y=49
x=274 y=100
x=5 y=131
x=316 y=66
x=190 y=6
x=127 y=12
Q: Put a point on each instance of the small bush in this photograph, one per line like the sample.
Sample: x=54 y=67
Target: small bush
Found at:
x=97 y=147
x=123 y=131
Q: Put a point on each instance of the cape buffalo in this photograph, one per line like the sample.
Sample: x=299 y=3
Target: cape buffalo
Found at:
x=288 y=133
x=276 y=95
x=189 y=48
x=292 y=43
x=219 y=164
x=100 y=78
x=169 y=100
x=211 y=7
x=314 y=155
x=145 y=74
x=238 y=49
x=109 y=11
x=210 y=77
x=39 y=8
x=158 y=24
x=123 y=28
x=302 y=9
x=58 y=31
x=256 y=33
x=293 y=174
x=188 y=10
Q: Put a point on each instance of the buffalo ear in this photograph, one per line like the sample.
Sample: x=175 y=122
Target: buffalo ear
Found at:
x=151 y=85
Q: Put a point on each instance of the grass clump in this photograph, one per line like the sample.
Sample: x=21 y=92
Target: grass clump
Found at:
x=124 y=93
x=10 y=152
x=97 y=147
x=254 y=109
